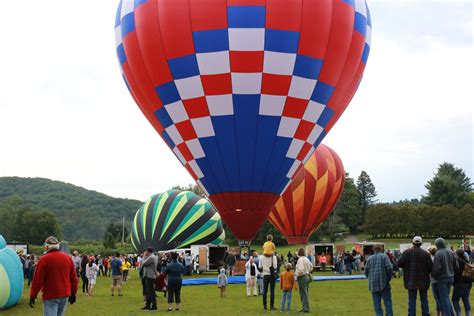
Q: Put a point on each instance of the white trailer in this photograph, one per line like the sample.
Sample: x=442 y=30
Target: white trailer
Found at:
x=208 y=257
x=318 y=250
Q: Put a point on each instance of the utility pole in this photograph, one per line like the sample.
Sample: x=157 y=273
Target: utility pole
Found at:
x=123 y=230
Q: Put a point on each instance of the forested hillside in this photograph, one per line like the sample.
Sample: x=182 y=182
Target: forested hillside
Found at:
x=81 y=213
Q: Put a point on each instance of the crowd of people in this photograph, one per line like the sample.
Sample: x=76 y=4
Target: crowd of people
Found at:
x=440 y=268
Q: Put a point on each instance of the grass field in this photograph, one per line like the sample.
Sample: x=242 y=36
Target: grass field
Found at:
x=326 y=298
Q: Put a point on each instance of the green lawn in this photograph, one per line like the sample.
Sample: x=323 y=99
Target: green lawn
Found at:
x=327 y=298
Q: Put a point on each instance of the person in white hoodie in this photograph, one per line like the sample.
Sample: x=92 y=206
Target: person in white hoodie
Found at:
x=251 y=271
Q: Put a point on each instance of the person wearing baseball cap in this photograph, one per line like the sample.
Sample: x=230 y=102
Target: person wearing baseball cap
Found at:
x=56 y=277
x=417 y=265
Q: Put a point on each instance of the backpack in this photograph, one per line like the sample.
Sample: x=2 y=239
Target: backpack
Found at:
x=468 y=272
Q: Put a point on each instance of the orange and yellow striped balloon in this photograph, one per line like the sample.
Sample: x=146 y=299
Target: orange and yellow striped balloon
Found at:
x=311 y=196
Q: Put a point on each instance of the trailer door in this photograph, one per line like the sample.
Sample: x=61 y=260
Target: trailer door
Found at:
x=203 y=261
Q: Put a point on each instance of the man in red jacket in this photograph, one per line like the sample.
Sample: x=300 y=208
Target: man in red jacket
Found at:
x=56 y=276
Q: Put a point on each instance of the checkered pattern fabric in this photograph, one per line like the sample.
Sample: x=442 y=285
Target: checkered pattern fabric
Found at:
x=242 y=91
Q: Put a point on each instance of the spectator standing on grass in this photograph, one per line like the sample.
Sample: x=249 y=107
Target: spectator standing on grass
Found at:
x=149 y=265
x=417 y=266
x=188 y=262
x=116 y=270
x=434 y=285
x=268 y=266
x=462 y=286
x=222 y=282
x=56 y=277
x=77 y=261
x=174 y=271
x=92 y=271
x=83 y=274
x=105 y=263
x=287 y=284
x=230 y=261
x=445 y=265
x=251 y=271
x=303 y=271
x=378 y=270
x=126 y=265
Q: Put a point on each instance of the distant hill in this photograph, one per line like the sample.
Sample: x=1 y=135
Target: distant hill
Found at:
x=82 y=213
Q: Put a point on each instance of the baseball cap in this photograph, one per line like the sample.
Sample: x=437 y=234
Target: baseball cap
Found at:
x=417 y=240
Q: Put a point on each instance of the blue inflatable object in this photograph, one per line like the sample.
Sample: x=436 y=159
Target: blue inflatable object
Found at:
x=241 y=279
x=11 y=276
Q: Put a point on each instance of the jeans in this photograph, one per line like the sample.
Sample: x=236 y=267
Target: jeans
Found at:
x=85 y=283
x=150 y=293
x=174 y=291
x=286 y=297
x=462 y=291
x=55 y=307
x=386 y=296
x=434 y=289
x=425 y=309
x=268 y=280
x=303 y=284
x=444 y=287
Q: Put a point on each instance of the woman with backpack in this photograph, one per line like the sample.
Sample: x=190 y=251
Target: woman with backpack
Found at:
x=462 y=284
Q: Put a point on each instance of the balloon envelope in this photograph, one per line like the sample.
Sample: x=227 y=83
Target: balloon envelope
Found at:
x=242 y=91
x=176 y=219
x=312 y=195
x=11 y=276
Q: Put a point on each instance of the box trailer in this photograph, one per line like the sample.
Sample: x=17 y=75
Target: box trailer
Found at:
x=208 y=257
x=318 y=250
x=367 y=248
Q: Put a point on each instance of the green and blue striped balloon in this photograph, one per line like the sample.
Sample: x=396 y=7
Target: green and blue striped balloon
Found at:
x=176 y=219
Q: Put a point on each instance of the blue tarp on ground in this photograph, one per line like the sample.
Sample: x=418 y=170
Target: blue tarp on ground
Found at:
x=241 y=279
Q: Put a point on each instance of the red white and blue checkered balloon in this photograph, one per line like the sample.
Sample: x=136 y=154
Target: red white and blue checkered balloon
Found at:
x=243 y=91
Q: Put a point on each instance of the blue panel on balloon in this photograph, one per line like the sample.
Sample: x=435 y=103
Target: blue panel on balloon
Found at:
x=322 y=92
x=128 y=24
x=246 y=16
x=168 y=93
x=266 y=134
x=325 y=117
x=225 y=135
x=246 y=109
x=184 y=67
x=163 y=117
x=168 y=139
x=281 y=41
x=320 y=139
x=365 y=54
x=211 y=41
x=121 y=54
x=307 y=67
x=280 y=148
x=213 y=163
x=281 y=178
x=360 y=23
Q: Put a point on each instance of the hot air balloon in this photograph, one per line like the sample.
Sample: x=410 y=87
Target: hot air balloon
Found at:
x=242 y=91
x=176 y=219
x=11 y=276
x=311 y=197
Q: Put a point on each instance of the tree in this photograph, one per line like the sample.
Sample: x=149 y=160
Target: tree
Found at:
x=348 y=207
x=190 y=187
x=109 y=241
x=450 y=185
x=367 y=192
x=115 y=230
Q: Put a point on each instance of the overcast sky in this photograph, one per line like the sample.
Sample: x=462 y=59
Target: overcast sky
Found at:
x=65 y=113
